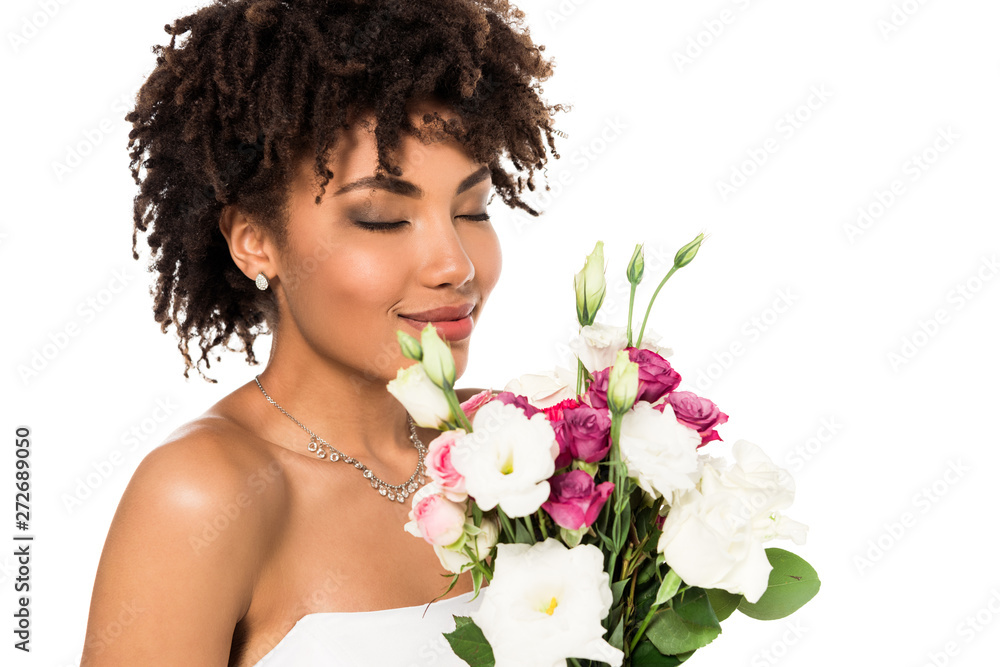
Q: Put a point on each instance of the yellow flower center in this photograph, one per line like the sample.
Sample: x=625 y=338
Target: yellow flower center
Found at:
x=507 y=467
x=553 y=603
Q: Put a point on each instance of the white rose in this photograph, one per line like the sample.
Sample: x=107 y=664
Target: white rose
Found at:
x=597 y=344
x=507 y=459
x=546 y=603
x=713 y=536
x=660 y=453
x=545 y=389
x=423 y=399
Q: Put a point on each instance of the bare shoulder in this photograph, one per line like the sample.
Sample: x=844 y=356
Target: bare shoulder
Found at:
x=183 y=551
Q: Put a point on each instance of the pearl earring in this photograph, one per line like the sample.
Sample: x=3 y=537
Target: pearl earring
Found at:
x=261 y=281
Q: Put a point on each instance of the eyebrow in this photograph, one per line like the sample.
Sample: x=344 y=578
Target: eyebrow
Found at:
x=407 y=189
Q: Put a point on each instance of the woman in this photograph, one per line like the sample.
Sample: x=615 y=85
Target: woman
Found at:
x=320 y=171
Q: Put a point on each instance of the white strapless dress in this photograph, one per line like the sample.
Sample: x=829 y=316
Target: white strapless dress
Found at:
x=400 y=637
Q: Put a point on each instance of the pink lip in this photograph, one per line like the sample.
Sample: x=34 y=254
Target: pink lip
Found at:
x=450 y=330
x=443 y=314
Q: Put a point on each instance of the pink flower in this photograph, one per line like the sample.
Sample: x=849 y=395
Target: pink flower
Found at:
x=439 y=521
x=696 y=412
x=555 y=412
x=656 y=375
x=473 y=403
x=439 y=466
x=585 y=433
x=574 y=502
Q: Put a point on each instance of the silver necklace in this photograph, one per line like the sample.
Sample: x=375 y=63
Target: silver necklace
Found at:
x=397 y=492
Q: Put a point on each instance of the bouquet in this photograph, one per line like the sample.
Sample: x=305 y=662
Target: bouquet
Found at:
x=605 y=532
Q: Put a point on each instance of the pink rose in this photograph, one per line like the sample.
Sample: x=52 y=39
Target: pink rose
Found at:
x=439 y=466
x=574 y=502
x=696 y=412
x=585 y=433
x=656 y=375
x=473 y=403
x=439 y=521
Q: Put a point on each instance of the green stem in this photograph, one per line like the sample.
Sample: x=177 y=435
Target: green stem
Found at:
x=650 y=306
x=580 y=370
x=642 y=628
x=505 y=524
x=456 y=410
x=631 y=300
x=615 y=475
x=541 y=524
x=531 y=527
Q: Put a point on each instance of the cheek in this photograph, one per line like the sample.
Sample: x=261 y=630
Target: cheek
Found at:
x=483 y=247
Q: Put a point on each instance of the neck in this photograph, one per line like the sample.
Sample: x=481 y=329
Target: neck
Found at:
x=349 y=408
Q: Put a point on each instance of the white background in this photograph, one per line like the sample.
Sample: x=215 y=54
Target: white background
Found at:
x=816 y=310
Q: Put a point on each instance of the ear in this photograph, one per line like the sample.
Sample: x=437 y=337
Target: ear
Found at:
x=249 y=246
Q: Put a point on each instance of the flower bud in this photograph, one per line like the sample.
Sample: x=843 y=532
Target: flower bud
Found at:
x=437 y=360
x=573 y=537
x=623 y=384
x=687 y=253
x=590 y=286
x=635 y=266
x=409 y=345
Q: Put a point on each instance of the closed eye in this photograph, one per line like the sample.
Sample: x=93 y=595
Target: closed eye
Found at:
x=389 y=226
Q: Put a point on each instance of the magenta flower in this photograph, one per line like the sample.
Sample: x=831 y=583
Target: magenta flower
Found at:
x=574 y=501
x=584 y=432
x=656 y=375
x=597 y=392
x=510 y=398
x=696 y=412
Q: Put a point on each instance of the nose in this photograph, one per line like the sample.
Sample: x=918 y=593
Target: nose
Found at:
x=446 y=262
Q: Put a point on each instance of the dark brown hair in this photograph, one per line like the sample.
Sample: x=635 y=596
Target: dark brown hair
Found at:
x=260 y=85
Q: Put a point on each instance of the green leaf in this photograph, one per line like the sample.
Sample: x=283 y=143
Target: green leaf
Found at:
x=647 y=655
x=616 y=591
x=791 y=584
x=618 y=636
x=687 y=625
x=521 y=534
x=469 y=643
x=723 y=602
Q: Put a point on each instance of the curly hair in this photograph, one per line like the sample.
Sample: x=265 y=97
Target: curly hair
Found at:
x=258 y=85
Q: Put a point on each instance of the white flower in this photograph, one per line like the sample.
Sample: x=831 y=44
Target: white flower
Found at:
x=423 y=399
x=650 y=340
x=545 y=389
x=660 y=453
x=457 y=561
x=507 y=459
x=597 y=344
x=546 y=603
x=713 y=536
